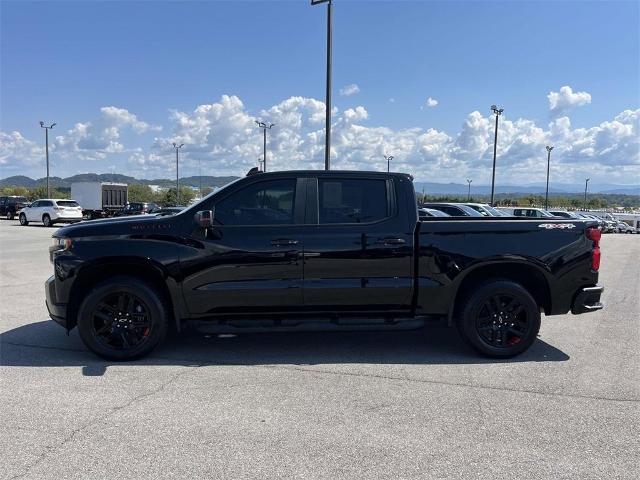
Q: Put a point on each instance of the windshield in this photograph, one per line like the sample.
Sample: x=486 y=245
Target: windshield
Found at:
x=494 y=211
x=478 y=209
x=67 y=203
x=215 y=190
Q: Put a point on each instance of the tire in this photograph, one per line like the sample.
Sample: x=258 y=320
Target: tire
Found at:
x=46 y=220
x=499 y=319
x=107 y=322
x=23 y=220
x=9 y=215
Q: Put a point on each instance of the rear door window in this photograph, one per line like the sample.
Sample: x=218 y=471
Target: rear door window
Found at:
x=352 y=200
x=67 y=203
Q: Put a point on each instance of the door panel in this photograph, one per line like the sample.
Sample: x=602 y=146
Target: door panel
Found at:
x=251 y=259
x=32 y=213
x=367 y=264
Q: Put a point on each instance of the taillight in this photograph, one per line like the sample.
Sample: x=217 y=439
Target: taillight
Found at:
x=594 y=234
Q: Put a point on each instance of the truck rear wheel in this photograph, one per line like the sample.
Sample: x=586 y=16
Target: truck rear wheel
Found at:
x=499 y=319
x=123 y=318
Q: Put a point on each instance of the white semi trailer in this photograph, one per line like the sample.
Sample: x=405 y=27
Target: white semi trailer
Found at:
x=99 y=199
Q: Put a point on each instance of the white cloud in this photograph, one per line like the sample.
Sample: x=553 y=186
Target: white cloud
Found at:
x=431 y=102
x=96 y=139
x=566 y=99
x=224 y=137
x=349 y=90
x=353 y=115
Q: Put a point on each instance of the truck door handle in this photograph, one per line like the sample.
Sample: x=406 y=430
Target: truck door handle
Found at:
x=391 y=241
x=283 y=242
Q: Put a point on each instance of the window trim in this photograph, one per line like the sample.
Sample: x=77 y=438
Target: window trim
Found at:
x=392 y=207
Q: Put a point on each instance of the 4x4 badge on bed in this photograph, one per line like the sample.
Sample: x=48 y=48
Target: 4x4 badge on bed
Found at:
x=549 y=226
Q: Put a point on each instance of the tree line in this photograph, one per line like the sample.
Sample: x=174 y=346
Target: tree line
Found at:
x=136 y=193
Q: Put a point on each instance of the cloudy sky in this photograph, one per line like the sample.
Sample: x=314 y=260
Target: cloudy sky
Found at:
x=123 y=80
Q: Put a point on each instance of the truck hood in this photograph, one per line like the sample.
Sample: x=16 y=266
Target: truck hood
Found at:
x=134 y=224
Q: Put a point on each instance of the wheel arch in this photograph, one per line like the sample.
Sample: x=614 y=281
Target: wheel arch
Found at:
x=530 y=276
x=139 y=268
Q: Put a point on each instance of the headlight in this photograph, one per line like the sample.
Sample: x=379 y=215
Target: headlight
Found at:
x=61 y=243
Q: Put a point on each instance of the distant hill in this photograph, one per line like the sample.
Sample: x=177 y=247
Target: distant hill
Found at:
x=18 y=181
x=430 y=188
x=22 y=181
x=461 y=189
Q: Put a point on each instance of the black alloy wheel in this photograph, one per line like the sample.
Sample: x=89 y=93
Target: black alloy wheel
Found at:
x=499 y=319
x=123 y=318
x=502 y=321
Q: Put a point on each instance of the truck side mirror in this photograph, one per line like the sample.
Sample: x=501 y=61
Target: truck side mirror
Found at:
x=204 y=218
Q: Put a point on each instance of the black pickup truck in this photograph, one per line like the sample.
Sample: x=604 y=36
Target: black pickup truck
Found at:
x=315 y=250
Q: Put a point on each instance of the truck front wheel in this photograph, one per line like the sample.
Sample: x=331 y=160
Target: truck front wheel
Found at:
x=123 y=318
x=499 y=319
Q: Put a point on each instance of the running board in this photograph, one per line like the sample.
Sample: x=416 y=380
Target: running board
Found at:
x=310 y=325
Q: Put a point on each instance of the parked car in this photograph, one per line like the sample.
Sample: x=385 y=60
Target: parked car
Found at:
x=486 y=210
x=610 y=223
x=529 y=212
x=137 y=208
x=587 y=216
x=453 y=209
x=167 y=210
x=623 y=227
x=10 y=205
x=50 y=211
x=565 y=214
x=430 y=212
x=232 y=263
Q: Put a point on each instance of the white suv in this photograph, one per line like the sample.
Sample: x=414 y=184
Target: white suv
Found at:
x=50 y=211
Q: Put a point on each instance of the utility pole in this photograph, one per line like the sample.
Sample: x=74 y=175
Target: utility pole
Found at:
x=327 y=145
x=586 y=183
x=264 y=126
x=469 y=190
x=388 y=159
x=546 y=195
x=200 y=176
x=177 y=147
x=46 y=148
x=497 y=112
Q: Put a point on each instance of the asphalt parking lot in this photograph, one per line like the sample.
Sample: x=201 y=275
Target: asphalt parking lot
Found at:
x=339 y=405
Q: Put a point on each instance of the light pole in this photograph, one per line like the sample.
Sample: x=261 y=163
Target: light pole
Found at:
x=46 y=148
x=546 y=195
x=200 y=176
x=264 y=126
x=497 y=112
x=586 y=183
x=327 y=137
x=388 y=159
x=177 y=147
x=469 y=190
x=260 y=161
